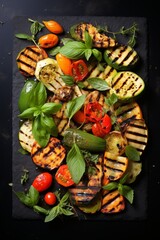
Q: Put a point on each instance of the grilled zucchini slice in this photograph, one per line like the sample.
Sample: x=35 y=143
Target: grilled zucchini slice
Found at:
x=137 y=134
x=25 y=136
x=121 y=57
x=114 y=166
x=99 y=40
x=27 y=59
x=49 y=73
x=49 y=157
x=133 y=170
x=127 y=85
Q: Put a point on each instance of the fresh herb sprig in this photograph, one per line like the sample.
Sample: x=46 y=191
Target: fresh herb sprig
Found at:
x=35 y=28
x=130 y=32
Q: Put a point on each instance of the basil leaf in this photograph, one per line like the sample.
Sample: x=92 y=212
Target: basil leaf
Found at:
x=25 y=199
x=48 y=124
x=127 y=192
x=76 y=163
x=39 y=133
x=28 y=113
x=39 y=96
x=132 y=153
x=74 y=105
x=34 y=28
x=88 y=40
x=53 y=213
x=111 y=186
x=34 y=195
x=98 y=84
x=69 y=80
x=51 y=108
x=97 y=54
x=73 y=49
x=23 y=36
x=39 y=209
x=88 y=53
x=111 y=100
x=54 y=51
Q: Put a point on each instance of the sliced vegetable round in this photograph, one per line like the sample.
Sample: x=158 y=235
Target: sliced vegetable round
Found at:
x=121 y=57
x=63 y=176
x=27 y=59
x=127 y=85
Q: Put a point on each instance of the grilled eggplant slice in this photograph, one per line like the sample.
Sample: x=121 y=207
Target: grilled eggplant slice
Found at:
x=127 y=85
x=121 y=57
x=87 y=191
x=25 y=136
x=114 y=166
x=99 y=40
x=94 y=206
x=112 y=202
x=49 y=157
x=49 y=73
x=27 y=59
x=137 y=134
x=116 y=142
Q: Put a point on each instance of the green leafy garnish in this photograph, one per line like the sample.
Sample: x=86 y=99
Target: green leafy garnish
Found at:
x=132 y=153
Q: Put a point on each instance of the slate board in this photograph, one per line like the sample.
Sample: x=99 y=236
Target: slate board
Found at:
x=139 y=209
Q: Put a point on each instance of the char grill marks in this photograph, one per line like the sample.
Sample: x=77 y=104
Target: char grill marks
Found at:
x=99 y=40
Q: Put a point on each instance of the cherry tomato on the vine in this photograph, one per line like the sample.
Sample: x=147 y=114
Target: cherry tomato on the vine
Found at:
x=63 y=176
x=50 y=198
x=93 y=111
x=79 y=70
x=48 y=41
x=103 y=127
x=42 y=181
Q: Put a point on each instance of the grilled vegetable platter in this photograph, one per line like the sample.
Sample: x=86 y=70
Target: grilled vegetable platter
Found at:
x=80 y=129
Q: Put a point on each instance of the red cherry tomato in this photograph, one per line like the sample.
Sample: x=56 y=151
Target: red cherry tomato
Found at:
x=63 y=176
x=43 y=181
x=93 y=111
x=50 y=198
x=79 y=70
x=79 y=117
x=101 y=128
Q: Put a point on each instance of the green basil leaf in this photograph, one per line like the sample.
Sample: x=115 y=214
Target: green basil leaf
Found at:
x=88 y=53
x=54 y=51
x=98 y=84
x=74 y=105
x=48 y=124
x=39 y=133
x=28 y=113
x=34 y=28
x=132 y=153
x=23 y=36
x=24 y=198
x=127 y=192
x=73 y=49
x=76 y=163
x=53 y=213
x=39 y=209
x=51 y=108
x=111 y=100
x=88 y=40
x=97 y=54
x=39 y=96
x=34 y=195
x=111 y=186
x=69 y=80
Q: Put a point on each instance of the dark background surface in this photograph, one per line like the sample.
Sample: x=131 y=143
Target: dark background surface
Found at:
x=18 y=229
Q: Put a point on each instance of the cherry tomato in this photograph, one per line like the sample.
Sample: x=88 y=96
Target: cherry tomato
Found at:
x=79 y=70
x=63 y=176
x=64 y=63
x=79 y=117
x=50 y=198
x=43 y=181
x=53 y=26
x=103 y=127
x=48 y=40
x=93 y=111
